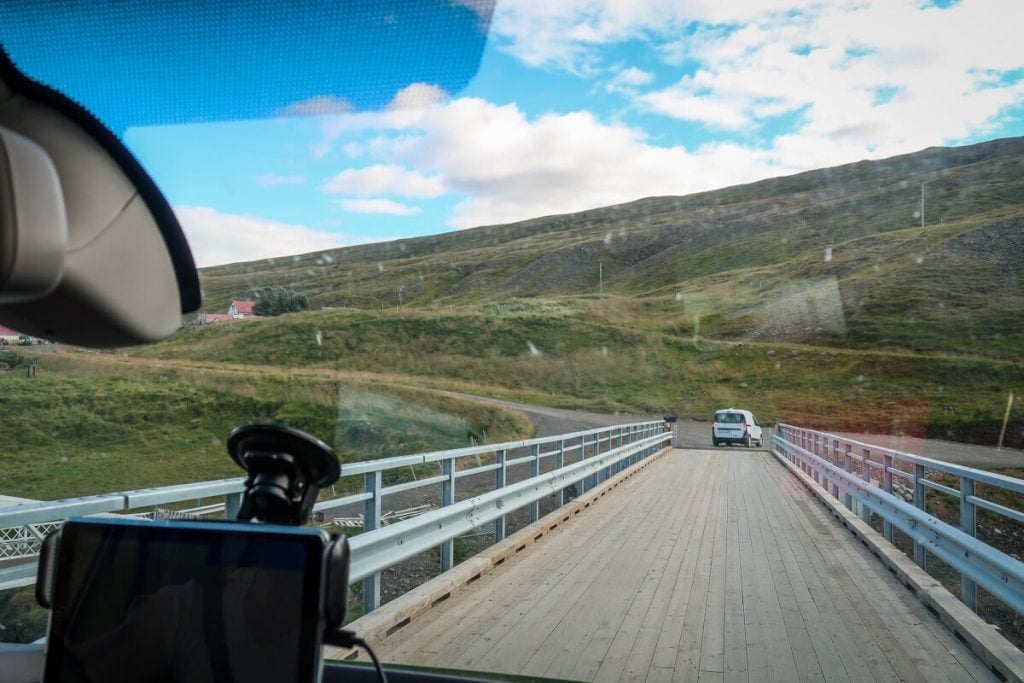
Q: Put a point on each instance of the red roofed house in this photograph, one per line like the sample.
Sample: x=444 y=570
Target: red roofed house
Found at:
x=242 y=309
x=9 y=336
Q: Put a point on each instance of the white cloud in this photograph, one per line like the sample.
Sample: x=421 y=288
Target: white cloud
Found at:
x=319 y=105
x=385 y=179
x=627 y=80
x=512 y=168
x=218 y=238
x=828 y=66
x=274 y=179
x=567 y=33
x=387 y=206
x=855 y=79
x=418 y=96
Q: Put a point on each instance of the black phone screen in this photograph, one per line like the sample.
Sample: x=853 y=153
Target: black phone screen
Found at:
x=185 y=601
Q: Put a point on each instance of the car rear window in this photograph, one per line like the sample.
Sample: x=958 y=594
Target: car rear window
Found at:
x=730 y=418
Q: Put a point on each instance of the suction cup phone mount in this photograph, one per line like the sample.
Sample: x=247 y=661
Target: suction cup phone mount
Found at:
x=286 y=469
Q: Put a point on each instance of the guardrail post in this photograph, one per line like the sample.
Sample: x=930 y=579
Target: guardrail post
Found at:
x=865 y=473
x=816 y=450
x=582 y=484
x=920 y=556
x=832 y=455
x=559 y=464
x=447 y=498
x=500 y=476
x=607 y=472
x=534 y=471
x=968 y=589
x=232 y=503
x=887 y=486
x=848 y=466
x=371 y=521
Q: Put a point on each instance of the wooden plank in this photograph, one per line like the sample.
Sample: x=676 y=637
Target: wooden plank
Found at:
x=577 y=652
x=804 y=657
x=610 y=648
x=735 y=657
x=641 y=656
x=791 y=547
x=813 y=543
x=713 y=643
x=878 y=619
x=779 y=649
x=882 y=659
x=754 y=623
x=672 y=612
x=688 y=652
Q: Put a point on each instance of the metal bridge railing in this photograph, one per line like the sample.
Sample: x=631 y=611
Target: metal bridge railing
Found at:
x=878 y=480
x=581 y=459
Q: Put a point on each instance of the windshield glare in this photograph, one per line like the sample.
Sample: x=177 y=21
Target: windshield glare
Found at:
x=535 y=220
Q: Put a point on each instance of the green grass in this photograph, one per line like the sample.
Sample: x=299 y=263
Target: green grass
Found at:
x=638 y=356
x=91 y=424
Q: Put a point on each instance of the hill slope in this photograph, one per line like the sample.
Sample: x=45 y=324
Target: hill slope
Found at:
x=818 y=298
x=835 y=256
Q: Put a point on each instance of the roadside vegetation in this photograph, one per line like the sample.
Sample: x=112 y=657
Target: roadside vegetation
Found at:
x=91 y=423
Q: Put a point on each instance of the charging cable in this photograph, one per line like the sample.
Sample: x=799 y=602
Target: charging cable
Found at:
x=349 y=640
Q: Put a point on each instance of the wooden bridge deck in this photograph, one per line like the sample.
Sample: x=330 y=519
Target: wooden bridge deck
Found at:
x=709 y=565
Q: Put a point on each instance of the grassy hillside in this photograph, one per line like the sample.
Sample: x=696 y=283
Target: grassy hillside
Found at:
x=625 y=354
x=652 y=242
x=817 y=297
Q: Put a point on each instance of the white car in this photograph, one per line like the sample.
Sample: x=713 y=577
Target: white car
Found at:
x=732 y=425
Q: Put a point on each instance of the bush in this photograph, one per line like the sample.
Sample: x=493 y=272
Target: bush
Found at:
x=277 y=300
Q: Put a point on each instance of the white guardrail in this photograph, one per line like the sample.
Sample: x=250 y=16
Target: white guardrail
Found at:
x=877 y=480
x=580 y=459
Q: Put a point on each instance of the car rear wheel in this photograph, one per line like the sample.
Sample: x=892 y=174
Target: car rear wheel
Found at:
x=746 y=440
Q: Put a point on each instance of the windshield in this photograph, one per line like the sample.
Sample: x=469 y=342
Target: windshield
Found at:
x=446 y=225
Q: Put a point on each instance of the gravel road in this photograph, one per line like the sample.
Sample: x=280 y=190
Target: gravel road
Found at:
x=982 y=457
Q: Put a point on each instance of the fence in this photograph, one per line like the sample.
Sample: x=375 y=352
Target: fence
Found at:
x=580 y=459
x=870 y=479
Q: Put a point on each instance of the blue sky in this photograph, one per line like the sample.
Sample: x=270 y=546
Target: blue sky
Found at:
x=579 y=103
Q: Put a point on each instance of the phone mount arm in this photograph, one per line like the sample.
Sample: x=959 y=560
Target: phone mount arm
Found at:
x=285 y=470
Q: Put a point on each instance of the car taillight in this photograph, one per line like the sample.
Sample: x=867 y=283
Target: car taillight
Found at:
x=744 y=424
